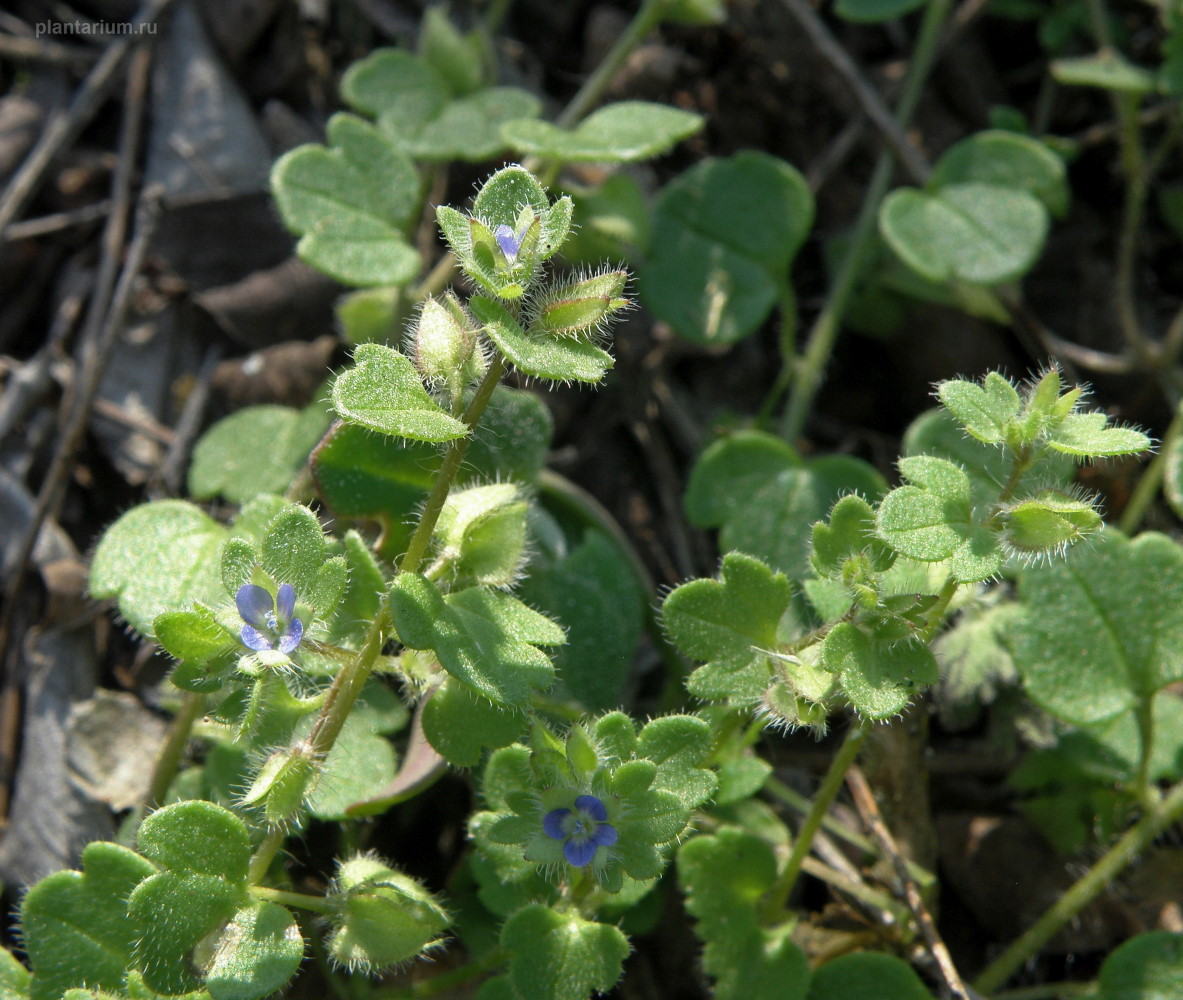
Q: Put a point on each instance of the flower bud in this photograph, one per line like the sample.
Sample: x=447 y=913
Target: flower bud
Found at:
x=444 y=344
x=1048 y=523
x=580 y=308
x=384 y=917
x=283 y=783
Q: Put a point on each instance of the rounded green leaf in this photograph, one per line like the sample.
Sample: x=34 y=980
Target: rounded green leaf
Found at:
x=1146 y=967
x=472 y=127
x=561 y=956
x=725 y=233
x=257 y=450
x=383 y=392
x=978 y=233
x=159 y=557
x=880 y=678
x=256 y=953
x=192 y=635
x=1009 y=160
x=985 y=411
x=293 y=549
x=867 y=974
x=196 y=836
x=1099 y=630
x=560 y=359
x=616 y=133
x=1107 y=70
x=461 y=724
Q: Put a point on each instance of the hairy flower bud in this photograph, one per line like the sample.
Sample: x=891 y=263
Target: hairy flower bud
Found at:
x=582 y=307
x=444 y=343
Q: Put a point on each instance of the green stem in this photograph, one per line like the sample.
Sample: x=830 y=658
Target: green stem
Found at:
x=1144 y=789
x=777 y=897
x=264 y=854
x=646 y=19
x=168 y=761
x=807 y=371
x=787 y=345
x=317 y=904
x=449 y=468
x=936 y=613
x=1151 y=480
x=1095 y=881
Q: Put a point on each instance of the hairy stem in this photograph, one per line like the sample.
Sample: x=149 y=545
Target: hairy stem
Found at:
x=1095 y=881
x=168 y=761
x=317 y=904
x=807 y=372
x=777 y=898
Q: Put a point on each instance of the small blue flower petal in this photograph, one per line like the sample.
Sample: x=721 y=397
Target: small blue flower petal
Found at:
x=508 y=240
x=605 y=835
x=291 y=638
x=254 y=639
x=579 y=852
x=285 y=602
x=553 y=823
x=254 y=604
x=592 y=806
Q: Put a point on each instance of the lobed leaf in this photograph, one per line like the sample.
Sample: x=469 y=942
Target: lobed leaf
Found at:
x=560 y=359
x=615 y=133
x=1009 y=160
x=561 y=956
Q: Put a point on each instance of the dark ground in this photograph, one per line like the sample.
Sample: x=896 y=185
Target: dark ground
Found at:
x=217 y=285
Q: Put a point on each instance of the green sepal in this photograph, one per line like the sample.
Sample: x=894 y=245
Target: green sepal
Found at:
x=484 y=638
x=328 y=587
x=678 y=745
x=383 y=917
x=561 y=956
x=75 y=926
x=383 y=391
x=282 y=783
x=1048 y=522
x=560 y=359
x=581 y=307
x=444 y=342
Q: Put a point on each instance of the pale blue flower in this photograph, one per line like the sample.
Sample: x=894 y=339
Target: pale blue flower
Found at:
x=583 y=830
x=270 y=623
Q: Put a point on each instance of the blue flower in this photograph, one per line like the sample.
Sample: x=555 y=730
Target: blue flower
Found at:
x=582 y=829
x=509 y=241
x=269 y=623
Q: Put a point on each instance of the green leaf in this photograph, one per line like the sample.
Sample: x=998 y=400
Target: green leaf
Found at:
x=613 y=222
x=766 y=499
x=678 y=744
x=849 y=534
x=471 y=128
x=1108 y=70
x=1148 y=966
x=725 y=233
x=383 y=392
x=867 y=974
x=193 y=635
x=880 y=678
x=985 y=411
x=460 y=59
x=257 y=450
x=369 y=314
x=159 y=557
x=197 y=836
x=1009 y=160
x=173 y=912
x=560 y=359
x=725 y=877
x=461 y=724
x=933 y=520
x=75 y=926
x=506 y=193
x=349 y=204
x=874 y=11
x=1088 y=436
x=396 y=86
x=616 y=133
x=978 y=233
x=484 y=638
x=1099 y=630
x=359 y=766
x=14 y=977
x=561 y=956
x=293 y=549
x=591 y=585
x=729 y=624
x=256 y=954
